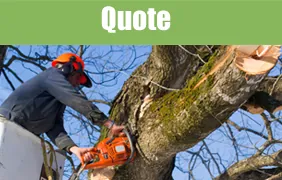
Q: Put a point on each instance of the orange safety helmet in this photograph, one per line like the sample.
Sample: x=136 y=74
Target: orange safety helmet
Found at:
x=78 y=65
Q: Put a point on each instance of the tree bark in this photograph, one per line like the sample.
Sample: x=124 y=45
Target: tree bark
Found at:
x=261 y=174
x=273 y=86
x=252 y=167
x=3 y=49
x=268 y=97
x=167 y=121
x=261 y=101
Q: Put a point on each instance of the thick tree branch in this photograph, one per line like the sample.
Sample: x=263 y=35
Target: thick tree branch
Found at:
x=171 y=122
x=268 y=97
x=261 y=101
x=275 y=177
x=271 y=85
x=195 y=113
x=251 y=164
x=261 y=174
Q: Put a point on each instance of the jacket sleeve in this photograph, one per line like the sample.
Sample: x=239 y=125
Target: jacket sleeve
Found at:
x=59 y=87
x=58 y=134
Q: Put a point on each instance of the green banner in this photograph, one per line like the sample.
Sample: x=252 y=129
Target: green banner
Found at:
x=140 y=22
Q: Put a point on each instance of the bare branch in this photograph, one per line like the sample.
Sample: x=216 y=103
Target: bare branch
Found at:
x=80 y=52
x=147 y=80
x=234 y=142
x=266 y=145
x=268 y=127
x=101 y=101
x=246 y=129
x=3 y=50
x=81 y=119
x=25 y=61
x=210 y=49
x=15 y=74
x=211 y=155
x=274 y=85
x=29 y=57
x=196 y=55
x=197 y=155
x=8 y=80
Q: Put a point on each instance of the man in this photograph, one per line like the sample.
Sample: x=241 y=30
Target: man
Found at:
x=38 y=104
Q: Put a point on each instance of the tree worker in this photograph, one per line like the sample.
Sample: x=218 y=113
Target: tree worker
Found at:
x=38 y=104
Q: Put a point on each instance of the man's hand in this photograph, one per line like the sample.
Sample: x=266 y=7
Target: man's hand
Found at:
x=83 y=154
x=114 y=129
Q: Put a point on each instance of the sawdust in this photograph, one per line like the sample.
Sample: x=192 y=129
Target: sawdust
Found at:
x=103 y=174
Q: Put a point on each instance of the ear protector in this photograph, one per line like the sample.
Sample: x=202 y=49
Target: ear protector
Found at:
x=68 y=67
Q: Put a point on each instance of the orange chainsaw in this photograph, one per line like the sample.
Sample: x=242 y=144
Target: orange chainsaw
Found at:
x=111 y=151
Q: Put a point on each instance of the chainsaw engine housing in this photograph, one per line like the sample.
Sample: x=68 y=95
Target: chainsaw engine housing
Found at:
x=111 y=152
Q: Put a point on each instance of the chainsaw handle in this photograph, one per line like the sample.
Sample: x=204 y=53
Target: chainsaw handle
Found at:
x=93 y=153
x=110 y=140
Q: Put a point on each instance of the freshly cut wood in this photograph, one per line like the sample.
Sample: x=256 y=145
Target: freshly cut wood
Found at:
x=255 y=60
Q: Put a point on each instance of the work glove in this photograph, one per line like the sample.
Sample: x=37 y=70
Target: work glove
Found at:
x=114 y=129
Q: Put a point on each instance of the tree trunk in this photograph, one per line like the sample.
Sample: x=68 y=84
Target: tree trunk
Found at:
x=167 y=121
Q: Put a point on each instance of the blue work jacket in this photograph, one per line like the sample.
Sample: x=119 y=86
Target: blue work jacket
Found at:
x=38 y=105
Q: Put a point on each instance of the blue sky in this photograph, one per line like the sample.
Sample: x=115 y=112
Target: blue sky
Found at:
x=218 y=141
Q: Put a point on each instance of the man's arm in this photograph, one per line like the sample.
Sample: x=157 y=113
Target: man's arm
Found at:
x=59 y=87
x=59 y=137
x=58 y=134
